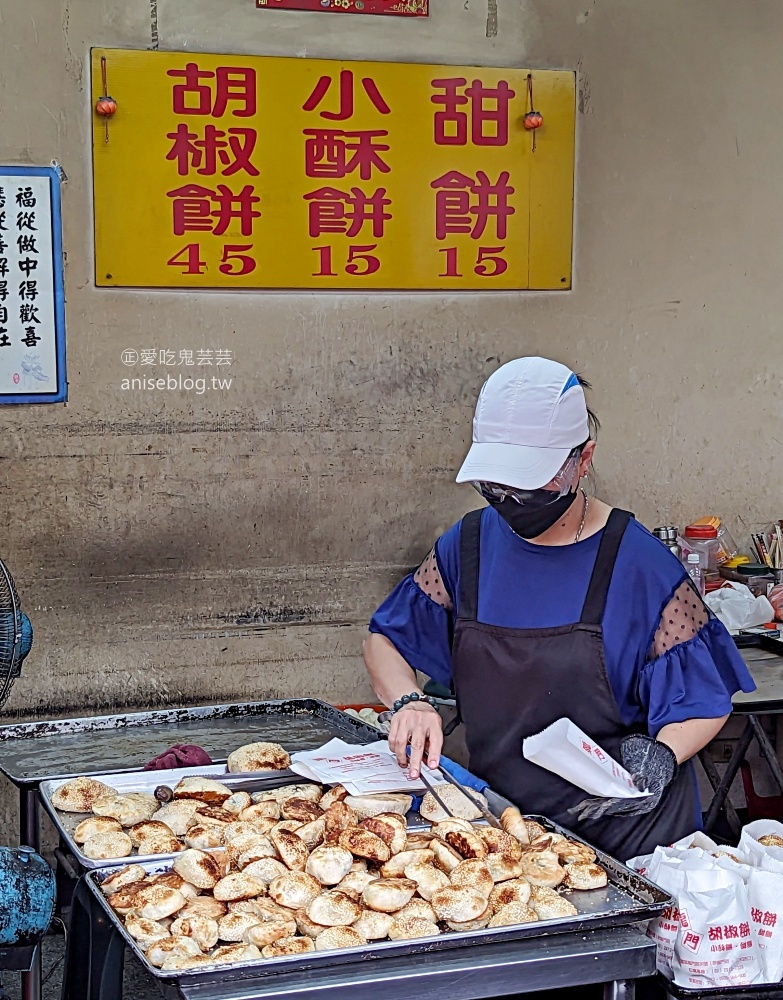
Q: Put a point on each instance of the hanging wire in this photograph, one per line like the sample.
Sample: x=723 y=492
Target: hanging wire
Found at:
x=105 y=91
x=58 y=962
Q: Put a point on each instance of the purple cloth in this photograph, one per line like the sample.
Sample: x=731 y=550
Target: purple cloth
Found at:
x=181 y=755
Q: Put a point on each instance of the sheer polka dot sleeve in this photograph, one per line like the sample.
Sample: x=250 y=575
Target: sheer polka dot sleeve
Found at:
x=683 y=617
x=428 y=579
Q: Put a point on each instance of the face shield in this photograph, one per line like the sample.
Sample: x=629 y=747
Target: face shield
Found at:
x=565 y=481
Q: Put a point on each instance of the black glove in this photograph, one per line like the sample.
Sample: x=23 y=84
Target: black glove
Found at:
x=652 y=766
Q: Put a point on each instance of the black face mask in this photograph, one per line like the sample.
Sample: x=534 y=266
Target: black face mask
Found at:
x=533 y=518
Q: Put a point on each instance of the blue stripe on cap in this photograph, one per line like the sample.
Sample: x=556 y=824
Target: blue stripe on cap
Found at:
x=572 y=381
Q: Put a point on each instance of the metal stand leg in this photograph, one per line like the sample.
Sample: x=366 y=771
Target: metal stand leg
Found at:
x=620 y=989
x=95 y=955
x=767 y=750
x=732 y=768
x=30 y=835
x=714 y=779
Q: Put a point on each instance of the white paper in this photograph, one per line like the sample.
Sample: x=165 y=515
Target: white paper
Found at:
x=715 y=945
x=725 y=927
x=28 y=347
x=749 y=841
x=696 y=839
x=765 y=894
x=737 y=608
x=568 y=752
x=362 y=770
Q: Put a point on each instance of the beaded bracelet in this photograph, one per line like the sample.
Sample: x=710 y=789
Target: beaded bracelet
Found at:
x=408 y=698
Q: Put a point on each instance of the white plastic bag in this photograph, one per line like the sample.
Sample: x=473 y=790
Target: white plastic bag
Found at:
x=642 y=864
x=697 y=839
x=568 y=752
x=749 y=841
x=664 y=929
x=715 y=945
x=730 y=865
x=738 y=608
x=765 y=895
x=769 y=864
x=666 y=867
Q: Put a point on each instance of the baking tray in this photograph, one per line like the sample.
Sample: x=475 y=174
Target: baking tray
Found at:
x=628 y=899
x=148 y=781
x=109 y=744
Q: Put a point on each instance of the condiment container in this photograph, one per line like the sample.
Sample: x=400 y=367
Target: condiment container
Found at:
x=702 y=539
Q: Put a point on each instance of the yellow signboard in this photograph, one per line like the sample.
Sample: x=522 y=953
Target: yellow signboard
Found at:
x=252 y=172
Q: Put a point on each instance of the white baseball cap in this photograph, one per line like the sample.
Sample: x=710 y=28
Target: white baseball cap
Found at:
x=530 y=415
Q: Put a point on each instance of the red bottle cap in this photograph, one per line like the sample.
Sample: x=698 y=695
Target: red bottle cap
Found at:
x=701 y=531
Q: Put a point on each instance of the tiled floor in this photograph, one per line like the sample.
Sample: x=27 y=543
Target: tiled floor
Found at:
x=138 y=984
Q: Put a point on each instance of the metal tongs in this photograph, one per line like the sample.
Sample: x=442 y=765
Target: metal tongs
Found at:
x=492 y=820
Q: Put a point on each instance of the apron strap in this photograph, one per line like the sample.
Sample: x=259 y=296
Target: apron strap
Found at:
x=470 y=550
x=595 y=601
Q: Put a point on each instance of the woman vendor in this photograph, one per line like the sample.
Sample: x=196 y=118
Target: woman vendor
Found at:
x=548 y=603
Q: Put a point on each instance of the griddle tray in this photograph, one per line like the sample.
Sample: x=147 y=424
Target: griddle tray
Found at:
x=31 y=752
x=628 y=899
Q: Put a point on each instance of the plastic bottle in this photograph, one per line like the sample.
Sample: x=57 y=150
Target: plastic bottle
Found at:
x=695 y=571
x=702 y=538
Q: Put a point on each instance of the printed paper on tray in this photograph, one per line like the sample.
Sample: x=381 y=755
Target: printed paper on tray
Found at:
x=361 y=769
x=568 y=752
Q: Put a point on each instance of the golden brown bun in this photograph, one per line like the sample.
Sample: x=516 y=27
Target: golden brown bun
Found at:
x=389 y=894
x=79 y=795
x=258 y=757
x=294 y=890
x=205 y=790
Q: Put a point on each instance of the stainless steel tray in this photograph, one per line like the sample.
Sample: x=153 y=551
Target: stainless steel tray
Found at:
x=148 y=781
x=31 y=752
x=628 y=899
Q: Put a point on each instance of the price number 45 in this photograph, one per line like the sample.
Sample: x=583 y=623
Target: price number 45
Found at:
x=235 y=259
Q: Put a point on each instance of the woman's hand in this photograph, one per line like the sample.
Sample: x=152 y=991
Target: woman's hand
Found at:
x=420 y=725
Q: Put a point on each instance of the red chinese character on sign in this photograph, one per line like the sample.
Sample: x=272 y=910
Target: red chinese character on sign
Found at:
x=194 y=211
x=756 y=915
x=347 y=99
x=332 y=153
x=692 y=941
x=770 y=919
x=744 y=930
x=233 y=84
x=334 y=211
x=488 y=112
x=203 y=155
x=730 y=931
x=465 y=204
x=716 y=933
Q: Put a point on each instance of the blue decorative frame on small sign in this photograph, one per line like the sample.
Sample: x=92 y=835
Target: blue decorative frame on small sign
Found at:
x=52 y=302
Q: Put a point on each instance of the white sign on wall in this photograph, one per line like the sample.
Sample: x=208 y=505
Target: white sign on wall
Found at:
x=32 y=301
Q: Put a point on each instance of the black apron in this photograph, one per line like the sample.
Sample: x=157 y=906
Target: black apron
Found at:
x=511 y=683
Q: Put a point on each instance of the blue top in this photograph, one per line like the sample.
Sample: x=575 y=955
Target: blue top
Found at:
x=523 y=585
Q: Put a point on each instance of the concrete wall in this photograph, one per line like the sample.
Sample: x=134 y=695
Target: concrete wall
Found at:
x=233 y=546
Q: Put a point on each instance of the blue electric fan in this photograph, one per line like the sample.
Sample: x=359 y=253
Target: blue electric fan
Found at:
x=27 y=883
x=16 y=634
